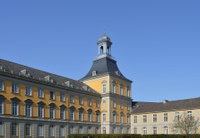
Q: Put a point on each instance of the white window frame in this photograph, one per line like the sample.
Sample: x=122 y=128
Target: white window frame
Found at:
x=51 y=131
x=104 y=103
x=104 y=117
x=62 y=131
x=28 y=129
x=104 y=88
x=62 y=97
x=15 y=88
x=165 y=117
x=114 y=104
x=81 y=100
x=28 y=110
x=71 y=115
x=14 y=131
x=89 y=102
x=1 y=85
x=72 y=99
x=1 y=129
x=1 y=107
x=28 y=91
x=121 y=90
x=52 y=95
x=81 y=114
x=52 y=113
x=40 y=130
x=62 y=113
x=40 y=93
x=15 y=108
x=144 y=118
x=135 y=119
x=40 y=110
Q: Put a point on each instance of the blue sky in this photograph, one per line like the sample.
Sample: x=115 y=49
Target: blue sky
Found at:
x=156 y=43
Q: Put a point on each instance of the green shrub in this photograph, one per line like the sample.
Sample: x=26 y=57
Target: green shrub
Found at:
x=131 y=136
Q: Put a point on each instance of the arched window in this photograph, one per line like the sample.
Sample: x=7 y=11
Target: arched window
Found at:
x=89 y=115
x=52 y=110
x=71 y=113
x=97 y=116
x=121 y=117
x=62 y=112
x=101 y=50
x=114 y=117
x=28 y=107
x=80 y=114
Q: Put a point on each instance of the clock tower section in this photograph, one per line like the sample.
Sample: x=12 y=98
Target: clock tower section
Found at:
x=115 y=89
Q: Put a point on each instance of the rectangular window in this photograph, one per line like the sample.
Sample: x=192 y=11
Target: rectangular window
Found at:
x=71 y=130
x=113 y=87
x=189 y=113
x=62 y=97
x=72 y=99
x=80 y=115
x=40 y=111
x=28 y=91
x=14 y=129
x=128 y=92
x=121 y=105
x=28 y=110
x=177 y=116
x=40 y=93
x=165 y=117
x=15 y=88
x=128 y=119
x=52 y=95
x=40 y=131
x=104 y=87
x=1 y=86
x=1 y=107
x=89 y=116
x=135 y=130
x=144 y=118
x=81 y=100
x=97 y=103
x=27 y=130
x=121 y=90
x=104 y=117
x=104 y=103
x=1 y=129
x=154 y=130
x=154 y=118
x=62 y=131
x=114 y=104
x=15 y=108
x=89 y=102
x=52 y=133
x=135 y=119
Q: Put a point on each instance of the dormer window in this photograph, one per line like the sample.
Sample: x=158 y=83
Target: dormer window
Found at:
x=117 y=73
x=48 y=79
x=94 y=73
x=25 y=73
x=2 y=68
x=67 y=83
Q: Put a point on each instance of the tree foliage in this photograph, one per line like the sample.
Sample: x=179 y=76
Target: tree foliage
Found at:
x=185 y=124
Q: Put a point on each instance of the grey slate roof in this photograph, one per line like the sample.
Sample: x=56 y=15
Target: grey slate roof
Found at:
x=35 y=74
x=148 y=107
x=104 y=65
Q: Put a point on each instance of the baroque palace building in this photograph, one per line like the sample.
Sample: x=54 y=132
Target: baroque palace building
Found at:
x=35 y=103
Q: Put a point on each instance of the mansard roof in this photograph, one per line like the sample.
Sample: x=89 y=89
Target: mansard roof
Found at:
x=102 y=66
x=14 y=69
x=165 y=106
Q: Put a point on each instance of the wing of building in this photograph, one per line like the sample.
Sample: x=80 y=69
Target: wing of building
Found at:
x=35 y=103
x=159 y=117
